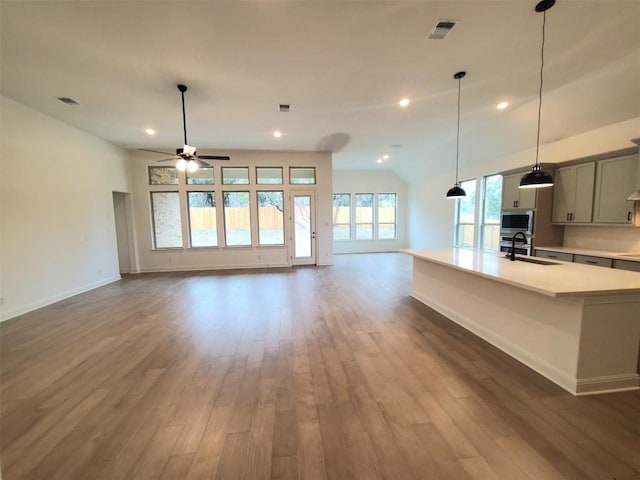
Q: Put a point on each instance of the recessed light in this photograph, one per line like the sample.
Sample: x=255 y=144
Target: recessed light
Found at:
x=277 y=134
x=386 y=157
x=404 y=102
x=502 y=105
x=150 y=131
x=379 y=160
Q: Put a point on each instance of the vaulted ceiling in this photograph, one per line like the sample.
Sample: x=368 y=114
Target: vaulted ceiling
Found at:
x=341 y=65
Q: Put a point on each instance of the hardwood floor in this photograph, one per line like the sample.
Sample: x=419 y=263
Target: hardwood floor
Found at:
x=311 y=373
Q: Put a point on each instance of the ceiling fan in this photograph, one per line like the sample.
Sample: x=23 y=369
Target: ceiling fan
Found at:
x=187 y=157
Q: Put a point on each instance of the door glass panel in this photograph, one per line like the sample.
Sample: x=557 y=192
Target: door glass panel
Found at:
x=302 y=220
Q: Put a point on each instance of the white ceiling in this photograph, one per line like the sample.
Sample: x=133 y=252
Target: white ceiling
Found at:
x=342 y=65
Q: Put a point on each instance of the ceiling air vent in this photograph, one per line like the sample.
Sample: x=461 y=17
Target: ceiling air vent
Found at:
x=442 y=28
x=284 y=107
x=68 y=101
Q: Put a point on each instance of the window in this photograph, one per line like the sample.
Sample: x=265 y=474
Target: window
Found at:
x=490 y=227
x=202 y=219
x=270 y=218
x=465 y=215
x=237 y=219
x=235 y=175
x=202 y=176
x=341 y=216
x=386 y=216
x=163 y=176
x=269 y=175
x=167 y=225
x=364 y=216
x=302 y=175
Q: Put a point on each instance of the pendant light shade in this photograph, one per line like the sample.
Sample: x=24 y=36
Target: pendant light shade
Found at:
x=537 y=177
x=457 y=191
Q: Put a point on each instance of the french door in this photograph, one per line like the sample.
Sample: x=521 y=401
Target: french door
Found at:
x=303 y=228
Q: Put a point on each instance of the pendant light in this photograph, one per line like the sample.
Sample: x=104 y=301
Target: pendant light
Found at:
x=457 y=191
x=537 y=177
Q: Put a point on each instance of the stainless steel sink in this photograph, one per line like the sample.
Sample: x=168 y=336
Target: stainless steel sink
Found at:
x=537 y=261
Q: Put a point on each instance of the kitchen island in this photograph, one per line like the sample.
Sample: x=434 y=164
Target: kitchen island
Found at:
x=577 y=325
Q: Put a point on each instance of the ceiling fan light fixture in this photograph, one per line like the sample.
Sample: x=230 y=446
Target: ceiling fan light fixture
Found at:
x=538 y=178
x=457 y=191
x=181 y=165
x=192 y=166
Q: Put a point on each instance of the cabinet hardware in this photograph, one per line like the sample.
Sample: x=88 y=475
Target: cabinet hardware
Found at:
x=591 y=262
x=552 y=256
x=628 y=216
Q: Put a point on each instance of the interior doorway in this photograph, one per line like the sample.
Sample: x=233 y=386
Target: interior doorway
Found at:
x=120 y=203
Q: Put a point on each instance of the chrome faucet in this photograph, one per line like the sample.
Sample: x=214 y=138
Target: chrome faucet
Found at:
x=512 y=255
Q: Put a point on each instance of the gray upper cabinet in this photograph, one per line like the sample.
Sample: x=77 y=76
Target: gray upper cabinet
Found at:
x=616 y=178
x=573 y=193
x=515 y=197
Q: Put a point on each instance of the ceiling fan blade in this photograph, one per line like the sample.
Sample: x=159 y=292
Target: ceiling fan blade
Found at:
x=200 y=162
x=214 y=157
x=154 y=151
x=168 y=159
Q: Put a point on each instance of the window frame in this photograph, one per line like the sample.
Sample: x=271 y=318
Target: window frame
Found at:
x=348 y=224
x=258 y=192
x=154 y=235
x=482 y=220
x=176 y=175
x=373 y=218
x=315 y=178
x=213 y=194
x=222 y=178
x=224 y=220
x=458 y=223
x=395 y=217
x=281 y=182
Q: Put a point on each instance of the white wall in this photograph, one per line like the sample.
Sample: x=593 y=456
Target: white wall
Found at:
x=371 y=181
x=177 y=259
x=431 y=215
x=58 y=228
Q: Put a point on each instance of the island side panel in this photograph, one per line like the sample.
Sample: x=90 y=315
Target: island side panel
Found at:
x=608 y=358
x=542 y=332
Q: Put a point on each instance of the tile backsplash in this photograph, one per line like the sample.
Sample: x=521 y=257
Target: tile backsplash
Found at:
x=614 y=239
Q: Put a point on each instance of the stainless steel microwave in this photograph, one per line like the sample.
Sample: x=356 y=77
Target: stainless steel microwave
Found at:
x=517 y=221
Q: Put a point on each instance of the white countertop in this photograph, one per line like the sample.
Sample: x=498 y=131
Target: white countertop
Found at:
x=632 y=257
x=563 y=279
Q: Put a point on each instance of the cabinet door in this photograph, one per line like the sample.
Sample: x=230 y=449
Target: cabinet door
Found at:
x=527 y=197
x=583 y=204
x=510 y=191
x=615 y=179
x=564 y=189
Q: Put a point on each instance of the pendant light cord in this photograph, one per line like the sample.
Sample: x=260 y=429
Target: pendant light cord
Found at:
x=544 y=21
x=458 y=132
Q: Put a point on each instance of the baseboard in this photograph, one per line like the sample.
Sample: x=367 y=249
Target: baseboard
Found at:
x=234 y=266
x=14 y=312
x=535 y=363
x=608 y=384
